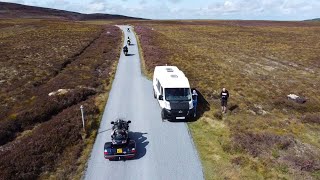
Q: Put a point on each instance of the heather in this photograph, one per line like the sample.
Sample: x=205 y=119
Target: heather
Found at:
x=48 y=69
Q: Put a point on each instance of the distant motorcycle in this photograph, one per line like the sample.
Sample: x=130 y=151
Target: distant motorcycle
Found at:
x=128 y=29
x=125 y=50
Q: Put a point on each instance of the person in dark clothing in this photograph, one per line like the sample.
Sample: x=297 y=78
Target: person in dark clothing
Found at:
x=128 y=41
x=224 y=100
x=125 y=49
x=195 y=102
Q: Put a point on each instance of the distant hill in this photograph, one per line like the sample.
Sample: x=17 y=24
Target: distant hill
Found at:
x=13 y=10
x=316 y=19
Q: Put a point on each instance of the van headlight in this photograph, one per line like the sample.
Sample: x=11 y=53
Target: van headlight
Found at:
x=190 y=104
x=167 y=105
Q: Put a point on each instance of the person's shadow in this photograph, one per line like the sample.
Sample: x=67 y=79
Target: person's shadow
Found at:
x=141 y=143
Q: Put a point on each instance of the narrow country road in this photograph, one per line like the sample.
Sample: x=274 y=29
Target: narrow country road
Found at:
x=165 y=150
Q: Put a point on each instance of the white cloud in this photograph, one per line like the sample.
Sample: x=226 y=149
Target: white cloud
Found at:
x=143 y=2
x=14 y=1
x=174 y=1
x=260 y=9
x=96 y=7
x=189 y=9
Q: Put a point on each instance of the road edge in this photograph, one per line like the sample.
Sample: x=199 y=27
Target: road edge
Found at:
x=81 y=171
x=144 y=71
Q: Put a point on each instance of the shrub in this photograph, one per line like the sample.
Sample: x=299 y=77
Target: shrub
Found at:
x=8 y=128
x=83 y=63
x=41 y=111
x=240 y=160
x=218 y=115
x=40 y=151
x=283 y=103
x=259 y=143
x=306 y=162
x=311 y=118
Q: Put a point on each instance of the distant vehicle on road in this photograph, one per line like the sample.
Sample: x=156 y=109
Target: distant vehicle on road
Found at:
x=121 y=146
x=172 y=90
x=125 y=50
x=129 y=42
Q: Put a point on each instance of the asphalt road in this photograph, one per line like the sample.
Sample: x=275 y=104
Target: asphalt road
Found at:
x=165 y=150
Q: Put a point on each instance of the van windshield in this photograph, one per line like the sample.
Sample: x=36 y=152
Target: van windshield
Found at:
x=177 y=94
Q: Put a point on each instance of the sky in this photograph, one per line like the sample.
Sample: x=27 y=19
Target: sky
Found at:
x=190 y=9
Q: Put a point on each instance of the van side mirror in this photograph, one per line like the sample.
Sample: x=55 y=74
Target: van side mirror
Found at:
x=160 y=97
x=112 y=122
x=128 y=121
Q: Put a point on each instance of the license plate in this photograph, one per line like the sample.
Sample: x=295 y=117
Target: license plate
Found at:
x=180 y=117
x=119 y=150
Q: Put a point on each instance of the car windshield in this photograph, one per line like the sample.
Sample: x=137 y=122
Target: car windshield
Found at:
x=177 y=94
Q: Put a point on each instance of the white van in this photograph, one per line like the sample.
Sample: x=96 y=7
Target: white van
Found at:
x=172 y=90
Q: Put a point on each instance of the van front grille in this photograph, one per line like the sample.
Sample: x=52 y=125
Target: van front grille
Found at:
x=179 y=105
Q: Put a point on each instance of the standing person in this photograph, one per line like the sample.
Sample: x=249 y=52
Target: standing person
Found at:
x=195 y=101
x=224 y=100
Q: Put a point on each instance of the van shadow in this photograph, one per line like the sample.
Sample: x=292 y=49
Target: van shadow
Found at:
x=130 y=54
x=131 y=44
x=202 y=105
x=141 y=143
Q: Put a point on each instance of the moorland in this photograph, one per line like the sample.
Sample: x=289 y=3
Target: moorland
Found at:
x=263 y=135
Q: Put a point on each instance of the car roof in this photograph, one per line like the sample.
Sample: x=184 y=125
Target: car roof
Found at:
x=171 y=77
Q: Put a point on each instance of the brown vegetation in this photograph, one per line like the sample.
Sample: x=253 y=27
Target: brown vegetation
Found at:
x=264 y=135
x=311 y=118
x=39 y=132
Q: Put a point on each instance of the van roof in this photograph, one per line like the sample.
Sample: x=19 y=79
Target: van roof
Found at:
x=171 y=77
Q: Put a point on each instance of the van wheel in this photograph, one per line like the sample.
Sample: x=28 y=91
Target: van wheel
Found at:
x=162 y=115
